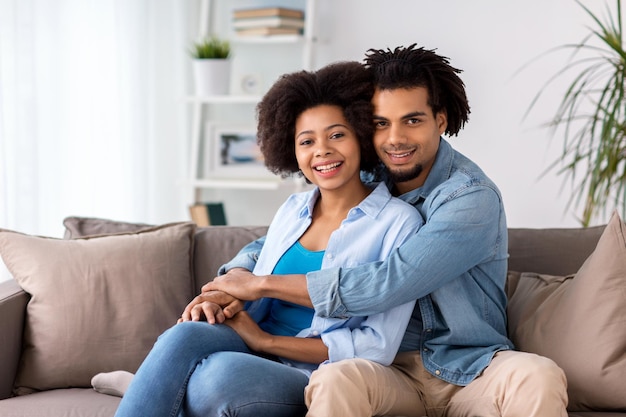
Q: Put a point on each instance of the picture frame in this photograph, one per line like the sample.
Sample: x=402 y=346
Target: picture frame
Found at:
x=234 y=153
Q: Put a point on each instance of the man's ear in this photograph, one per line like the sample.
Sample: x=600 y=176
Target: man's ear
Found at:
x=442 y=121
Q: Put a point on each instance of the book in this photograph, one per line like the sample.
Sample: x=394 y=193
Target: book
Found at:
x=208 y=214
x=274 y=21
x=265 y=31
x=268 y=11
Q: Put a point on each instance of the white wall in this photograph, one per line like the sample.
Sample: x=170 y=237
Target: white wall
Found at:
x=490 y=40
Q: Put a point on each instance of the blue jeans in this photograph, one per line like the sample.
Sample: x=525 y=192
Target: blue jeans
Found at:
x=199 y=369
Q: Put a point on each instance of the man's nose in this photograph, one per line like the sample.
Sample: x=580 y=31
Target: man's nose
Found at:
x=397 y=134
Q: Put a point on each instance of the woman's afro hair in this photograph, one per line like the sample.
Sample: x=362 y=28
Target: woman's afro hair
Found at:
x=347 y=85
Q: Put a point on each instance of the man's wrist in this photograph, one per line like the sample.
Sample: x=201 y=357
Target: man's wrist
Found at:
x=267 y=286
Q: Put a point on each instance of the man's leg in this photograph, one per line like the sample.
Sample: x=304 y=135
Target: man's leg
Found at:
x=358 y=387
x=515 y=384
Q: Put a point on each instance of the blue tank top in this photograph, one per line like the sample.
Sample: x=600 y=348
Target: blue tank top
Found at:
x=284 y=318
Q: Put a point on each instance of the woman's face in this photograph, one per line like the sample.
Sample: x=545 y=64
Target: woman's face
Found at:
x=327 y=148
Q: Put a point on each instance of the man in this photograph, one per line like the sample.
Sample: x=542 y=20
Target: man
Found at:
x=455 y=359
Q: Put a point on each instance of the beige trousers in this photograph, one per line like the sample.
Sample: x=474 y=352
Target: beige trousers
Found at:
x=515 y=384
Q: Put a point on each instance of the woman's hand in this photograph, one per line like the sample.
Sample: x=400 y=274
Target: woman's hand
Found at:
x=249 y=331
x=212 y=306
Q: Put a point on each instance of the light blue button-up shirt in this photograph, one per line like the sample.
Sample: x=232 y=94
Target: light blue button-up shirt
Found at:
x=455 y=266
x=370 y=232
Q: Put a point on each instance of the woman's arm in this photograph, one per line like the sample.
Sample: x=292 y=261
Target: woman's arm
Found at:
x=295 y=348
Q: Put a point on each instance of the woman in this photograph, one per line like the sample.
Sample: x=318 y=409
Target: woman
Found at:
x=258 y=363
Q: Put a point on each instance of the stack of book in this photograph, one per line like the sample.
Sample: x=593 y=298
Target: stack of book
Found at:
x=268 y=21
x=208 y=214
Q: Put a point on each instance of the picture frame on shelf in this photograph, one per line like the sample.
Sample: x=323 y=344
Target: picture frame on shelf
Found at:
x=233 y=152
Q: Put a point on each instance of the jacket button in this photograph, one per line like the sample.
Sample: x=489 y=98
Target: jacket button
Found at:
x=437 y=372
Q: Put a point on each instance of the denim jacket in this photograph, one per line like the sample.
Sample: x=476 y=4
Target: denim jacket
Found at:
x=454 y=266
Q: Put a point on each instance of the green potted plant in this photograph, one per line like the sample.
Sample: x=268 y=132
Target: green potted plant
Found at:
x=592 y=117
x=211 y=65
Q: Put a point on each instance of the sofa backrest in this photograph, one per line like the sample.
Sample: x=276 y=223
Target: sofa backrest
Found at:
x=556 y=251
x=216 y=245
x=551 y=251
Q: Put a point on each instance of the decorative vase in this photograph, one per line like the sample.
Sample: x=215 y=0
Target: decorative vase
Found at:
x=212 y=76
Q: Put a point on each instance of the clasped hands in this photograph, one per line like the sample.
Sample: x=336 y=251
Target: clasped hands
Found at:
x=222 y=301
x=222 y=298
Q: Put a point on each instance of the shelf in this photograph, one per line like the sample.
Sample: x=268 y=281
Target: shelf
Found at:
x=272 y=39
x=234 y=99
x=240 y=184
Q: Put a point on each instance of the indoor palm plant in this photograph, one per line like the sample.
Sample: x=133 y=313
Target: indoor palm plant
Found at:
x=592 y=115
x=211 y=65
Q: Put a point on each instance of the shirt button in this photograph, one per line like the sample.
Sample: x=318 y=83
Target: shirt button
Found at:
x=330 y=256
x=315 y=333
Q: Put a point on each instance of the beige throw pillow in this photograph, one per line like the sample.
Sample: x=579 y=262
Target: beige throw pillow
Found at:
x=579 y=321
x=97 y=304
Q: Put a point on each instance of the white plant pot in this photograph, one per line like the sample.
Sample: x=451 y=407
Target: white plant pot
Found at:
x=211 y=76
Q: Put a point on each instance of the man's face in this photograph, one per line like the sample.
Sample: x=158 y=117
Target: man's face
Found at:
x=407 y=134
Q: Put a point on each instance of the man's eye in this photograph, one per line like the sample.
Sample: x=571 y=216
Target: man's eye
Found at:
x=413 y=121
x=380 y=123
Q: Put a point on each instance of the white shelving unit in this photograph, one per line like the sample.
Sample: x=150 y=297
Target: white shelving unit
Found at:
x=201 y=106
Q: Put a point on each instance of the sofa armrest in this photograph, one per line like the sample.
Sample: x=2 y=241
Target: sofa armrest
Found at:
x=13 y=302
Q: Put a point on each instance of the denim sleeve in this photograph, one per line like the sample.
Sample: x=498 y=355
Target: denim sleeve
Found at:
x=246 y=258
x=461 y=231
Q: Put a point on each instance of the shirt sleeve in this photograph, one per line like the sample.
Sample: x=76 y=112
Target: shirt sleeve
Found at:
x=377 y=338
x=460 y=233
x=246 y=258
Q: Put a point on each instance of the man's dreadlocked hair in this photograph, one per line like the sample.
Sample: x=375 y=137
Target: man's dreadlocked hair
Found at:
x=410 y=68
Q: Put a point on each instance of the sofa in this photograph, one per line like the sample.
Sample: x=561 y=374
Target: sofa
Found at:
x=96 y=299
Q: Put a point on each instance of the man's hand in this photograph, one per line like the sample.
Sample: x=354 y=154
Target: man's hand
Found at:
x=214 y=306
x=238 y=282
x=249 y=331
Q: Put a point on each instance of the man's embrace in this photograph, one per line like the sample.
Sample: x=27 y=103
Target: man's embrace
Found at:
x=455 y=358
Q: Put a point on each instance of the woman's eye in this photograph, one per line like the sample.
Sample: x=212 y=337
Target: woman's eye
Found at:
x=337 y=135
x=305 y=142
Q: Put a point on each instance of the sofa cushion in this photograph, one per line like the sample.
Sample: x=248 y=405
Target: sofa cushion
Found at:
x=99 y=303
x=214 y=245
x=76 y=227
x=579 y=321
x=73 y=402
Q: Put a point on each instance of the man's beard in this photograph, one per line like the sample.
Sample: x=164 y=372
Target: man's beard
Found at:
x=397 y=176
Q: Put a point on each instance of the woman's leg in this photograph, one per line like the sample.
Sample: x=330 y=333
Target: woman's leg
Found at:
x=243 y=385
x=159 y=387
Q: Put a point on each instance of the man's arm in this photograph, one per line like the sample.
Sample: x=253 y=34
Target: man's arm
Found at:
x=235 y=278
x=459 y=234
x=244 y=285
